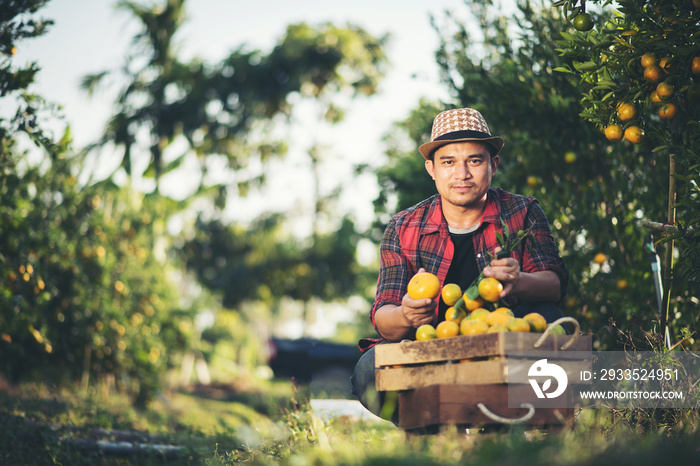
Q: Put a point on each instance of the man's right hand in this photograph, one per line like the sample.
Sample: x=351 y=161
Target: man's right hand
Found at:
x=396 y=322
x=418 y=311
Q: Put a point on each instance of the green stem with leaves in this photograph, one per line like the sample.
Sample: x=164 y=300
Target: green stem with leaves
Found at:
x=507 y=245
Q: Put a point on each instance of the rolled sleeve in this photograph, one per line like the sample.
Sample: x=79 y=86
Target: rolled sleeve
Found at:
x=393 y=272
x=545 y=255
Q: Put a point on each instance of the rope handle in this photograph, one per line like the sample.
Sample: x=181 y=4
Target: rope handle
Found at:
x=505 y=420
x=549 y=329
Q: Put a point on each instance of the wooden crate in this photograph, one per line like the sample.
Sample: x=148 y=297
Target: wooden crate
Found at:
x=473 y=359
x=444 y=404
x=454 y=380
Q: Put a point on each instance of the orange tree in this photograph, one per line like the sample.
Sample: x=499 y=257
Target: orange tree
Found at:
x=593 y=191
x=639 y=72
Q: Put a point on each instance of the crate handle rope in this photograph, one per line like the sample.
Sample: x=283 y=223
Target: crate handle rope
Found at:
x=505 y=420
x=574 y=336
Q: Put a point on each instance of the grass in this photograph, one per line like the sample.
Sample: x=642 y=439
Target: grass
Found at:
x=266 y=425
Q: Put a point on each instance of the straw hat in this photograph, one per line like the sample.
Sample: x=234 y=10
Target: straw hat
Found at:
x=457 y=125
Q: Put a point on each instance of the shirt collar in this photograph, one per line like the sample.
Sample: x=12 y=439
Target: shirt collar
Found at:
x=435 y=220
x=492 y=211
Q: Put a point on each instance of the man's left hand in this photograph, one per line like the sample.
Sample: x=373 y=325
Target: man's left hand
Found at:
x=506 y=271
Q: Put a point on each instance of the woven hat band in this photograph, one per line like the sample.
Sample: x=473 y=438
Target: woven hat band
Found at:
x=463 y=134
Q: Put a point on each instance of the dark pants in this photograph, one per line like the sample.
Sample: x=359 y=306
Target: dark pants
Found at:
x=384 y=404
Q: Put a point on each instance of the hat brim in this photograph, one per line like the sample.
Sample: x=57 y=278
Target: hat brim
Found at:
x=429 y=147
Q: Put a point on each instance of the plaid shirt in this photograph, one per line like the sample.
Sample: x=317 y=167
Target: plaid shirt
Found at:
x=418 y=237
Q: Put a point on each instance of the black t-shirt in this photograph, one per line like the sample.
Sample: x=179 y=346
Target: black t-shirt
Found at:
x=463 y=269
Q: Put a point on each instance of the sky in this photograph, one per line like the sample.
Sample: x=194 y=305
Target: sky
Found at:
x=91 y=36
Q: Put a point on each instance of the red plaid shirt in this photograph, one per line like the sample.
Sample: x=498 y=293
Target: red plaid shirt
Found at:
x=418 y=237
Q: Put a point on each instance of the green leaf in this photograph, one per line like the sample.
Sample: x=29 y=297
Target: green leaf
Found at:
x=506 y=233
x=472 y=292
x=562 y=69
x=607 y=96
x=585 y=66
x=658 y=149
x=499 y=238
x=567 y=36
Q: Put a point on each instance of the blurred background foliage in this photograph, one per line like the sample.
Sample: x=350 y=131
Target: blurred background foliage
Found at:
x=95 y=289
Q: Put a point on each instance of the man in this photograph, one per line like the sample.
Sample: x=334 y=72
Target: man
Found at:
x=449 y=235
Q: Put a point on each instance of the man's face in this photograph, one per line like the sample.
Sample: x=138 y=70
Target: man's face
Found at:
x=462 y=172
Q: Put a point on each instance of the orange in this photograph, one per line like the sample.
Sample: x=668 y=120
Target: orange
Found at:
x=472 y=304
x=426 y=332
x=447 y=329
x=600 y=258
x=504 y=310
x=663 y=64
x=498 y=318
x=664 y=91
x=695 y=65
x=570 y=157
x=473 y=327
x=518 y=325
x=451 y=293
x=490 y=289
x=537 y=322
x=668 y=111
x=621 y=284
x=455 y=315
x=423 y=285
x=648 y=59
x=479 y=314
x=557 y=330
x=655 y=97
x=652 y=73
x=634 y=134
x=626 y=112
x=497 y=329
x=583 y=22
x=613 y=133
x=533 y=181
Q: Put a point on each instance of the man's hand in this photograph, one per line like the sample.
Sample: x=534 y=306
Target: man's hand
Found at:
x=506 y=271
x=418 y=311
x=395 y=322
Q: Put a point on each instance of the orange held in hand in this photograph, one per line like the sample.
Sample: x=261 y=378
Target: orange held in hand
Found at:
x=490 y=289
x=424 y=285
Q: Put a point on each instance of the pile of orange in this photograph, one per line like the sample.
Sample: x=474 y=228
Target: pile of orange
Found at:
x=467 y=316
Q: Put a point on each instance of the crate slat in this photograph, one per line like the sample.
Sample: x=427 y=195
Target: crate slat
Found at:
x=467 y=373
x=444 y=404
x=474 y=346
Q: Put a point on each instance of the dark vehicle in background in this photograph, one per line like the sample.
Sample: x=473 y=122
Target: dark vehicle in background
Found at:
x=325 y=366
